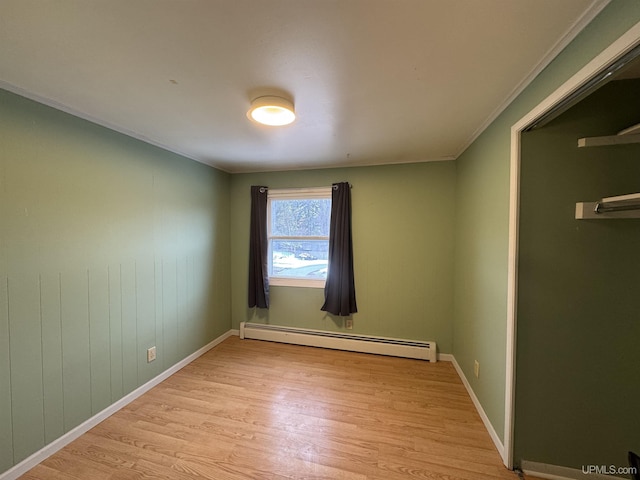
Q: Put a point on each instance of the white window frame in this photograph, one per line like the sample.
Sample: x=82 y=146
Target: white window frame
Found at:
x=294 y=194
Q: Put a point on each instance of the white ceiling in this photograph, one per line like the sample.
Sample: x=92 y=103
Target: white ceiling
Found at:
x=374 y=81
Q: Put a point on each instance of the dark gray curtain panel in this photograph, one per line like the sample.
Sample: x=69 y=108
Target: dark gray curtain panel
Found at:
x=258 y=250
x=340 y=290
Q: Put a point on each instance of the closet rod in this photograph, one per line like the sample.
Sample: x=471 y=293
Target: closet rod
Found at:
x=604 y=208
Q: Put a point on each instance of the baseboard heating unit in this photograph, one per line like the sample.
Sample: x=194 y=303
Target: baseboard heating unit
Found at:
x=340 y=341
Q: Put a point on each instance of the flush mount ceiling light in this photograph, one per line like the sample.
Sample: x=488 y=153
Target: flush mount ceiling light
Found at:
x=272 y=110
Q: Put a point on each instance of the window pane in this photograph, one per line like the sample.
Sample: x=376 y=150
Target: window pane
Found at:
x=299 y=258
x=301 y=217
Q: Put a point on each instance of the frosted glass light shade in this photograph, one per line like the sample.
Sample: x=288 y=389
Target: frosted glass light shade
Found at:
x=272 y=110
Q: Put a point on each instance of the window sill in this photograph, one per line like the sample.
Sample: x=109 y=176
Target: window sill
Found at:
x=296 y=282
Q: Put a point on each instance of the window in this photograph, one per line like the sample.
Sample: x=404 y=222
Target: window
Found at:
x=298 y=233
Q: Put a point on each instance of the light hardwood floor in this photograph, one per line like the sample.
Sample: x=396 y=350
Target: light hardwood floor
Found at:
x=256 y=410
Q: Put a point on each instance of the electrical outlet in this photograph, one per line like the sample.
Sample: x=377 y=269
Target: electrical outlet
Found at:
x=151 y=354
x=348 y=323
x=476 y=368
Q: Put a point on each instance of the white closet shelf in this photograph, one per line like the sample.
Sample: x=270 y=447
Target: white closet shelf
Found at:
x=609 y=140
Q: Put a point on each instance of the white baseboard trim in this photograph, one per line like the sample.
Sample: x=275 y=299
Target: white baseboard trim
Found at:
x=445 y=357
x=28 y=463
x=555 y=472
x=492 y=433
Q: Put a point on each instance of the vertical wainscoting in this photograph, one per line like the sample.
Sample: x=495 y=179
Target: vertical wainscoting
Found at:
x=108 y=246
x=52 y=386
x=6 y=412
x=74 y=342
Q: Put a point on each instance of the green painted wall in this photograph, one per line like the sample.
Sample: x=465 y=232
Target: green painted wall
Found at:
x=578 y=303
x=403 y=245
x=482 y=207
x=107 y=247
x=480 y=302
